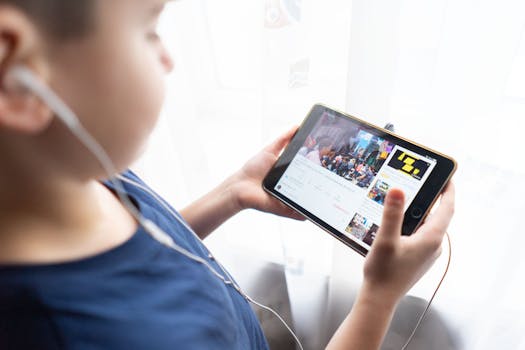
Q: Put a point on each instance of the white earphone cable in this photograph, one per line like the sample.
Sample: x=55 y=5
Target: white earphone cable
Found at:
x=68 y=117
x=424 y=313
x=191 y=256
x=24 y=76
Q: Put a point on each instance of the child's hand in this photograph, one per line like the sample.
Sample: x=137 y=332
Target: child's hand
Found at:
x=243 y=190
x=248 y=181
x=395 y=263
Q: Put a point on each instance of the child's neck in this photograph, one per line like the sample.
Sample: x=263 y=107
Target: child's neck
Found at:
x=46 y=220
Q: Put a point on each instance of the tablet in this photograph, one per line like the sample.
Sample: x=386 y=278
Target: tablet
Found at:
x=337 y=169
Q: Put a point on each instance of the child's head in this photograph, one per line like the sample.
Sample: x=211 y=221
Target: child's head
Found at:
x=103 y=58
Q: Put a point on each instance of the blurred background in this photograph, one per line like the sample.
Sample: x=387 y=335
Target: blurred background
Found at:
x=448 y=74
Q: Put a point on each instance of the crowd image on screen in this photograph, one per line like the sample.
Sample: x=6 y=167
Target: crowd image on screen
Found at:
x=350 y=152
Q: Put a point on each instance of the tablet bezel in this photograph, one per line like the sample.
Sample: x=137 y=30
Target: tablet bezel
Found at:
x=424 y=200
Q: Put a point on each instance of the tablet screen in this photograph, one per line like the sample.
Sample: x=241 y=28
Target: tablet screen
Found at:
x=343 y=170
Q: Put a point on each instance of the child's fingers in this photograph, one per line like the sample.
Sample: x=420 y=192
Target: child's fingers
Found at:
x=276 y=146
x=292 y=214
x=393 y=214
x=274 y=206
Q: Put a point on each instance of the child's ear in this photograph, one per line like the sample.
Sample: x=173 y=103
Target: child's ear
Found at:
x=20 y=110
x=23 y=112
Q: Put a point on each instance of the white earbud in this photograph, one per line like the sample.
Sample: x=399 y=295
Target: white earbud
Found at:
x=28 y=80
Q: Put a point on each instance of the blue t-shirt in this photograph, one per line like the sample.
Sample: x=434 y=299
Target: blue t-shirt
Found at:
x=139 y=295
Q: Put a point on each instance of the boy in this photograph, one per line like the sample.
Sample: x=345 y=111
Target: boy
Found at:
x=76 y=269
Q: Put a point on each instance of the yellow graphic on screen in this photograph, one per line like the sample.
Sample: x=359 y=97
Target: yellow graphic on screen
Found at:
x=409 y=164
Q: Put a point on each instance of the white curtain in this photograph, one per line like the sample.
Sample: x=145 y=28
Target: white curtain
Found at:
x=449 y=74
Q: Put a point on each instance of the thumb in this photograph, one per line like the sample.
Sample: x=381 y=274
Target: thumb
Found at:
x=393 y=215
x=277 y=146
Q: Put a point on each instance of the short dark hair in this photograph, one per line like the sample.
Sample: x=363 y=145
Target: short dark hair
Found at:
x=60 y=19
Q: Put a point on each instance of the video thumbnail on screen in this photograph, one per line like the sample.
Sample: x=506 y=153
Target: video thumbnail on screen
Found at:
x=346 y=149
x=362 y=229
